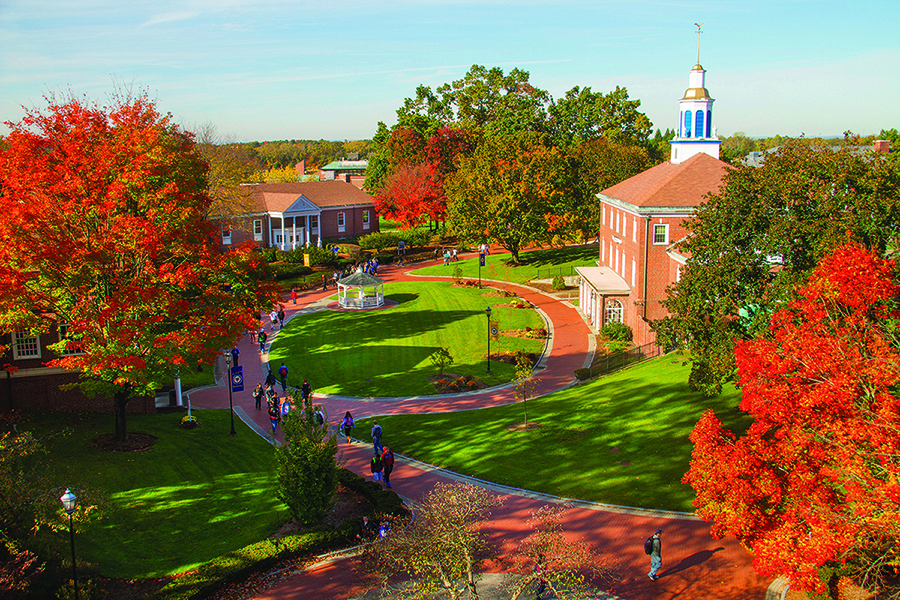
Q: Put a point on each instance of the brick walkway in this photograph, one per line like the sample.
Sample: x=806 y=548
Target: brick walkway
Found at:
x=694 y=565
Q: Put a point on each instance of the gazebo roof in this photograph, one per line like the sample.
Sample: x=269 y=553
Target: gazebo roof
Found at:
x=361 y=280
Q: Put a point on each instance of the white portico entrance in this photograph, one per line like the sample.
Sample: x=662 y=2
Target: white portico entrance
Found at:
x=361 y=290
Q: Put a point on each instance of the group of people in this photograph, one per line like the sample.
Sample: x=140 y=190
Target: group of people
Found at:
x=382 y=463
x=449 y=254
x=279 y=407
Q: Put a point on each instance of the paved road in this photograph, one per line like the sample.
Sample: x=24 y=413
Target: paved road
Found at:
x=694 y=565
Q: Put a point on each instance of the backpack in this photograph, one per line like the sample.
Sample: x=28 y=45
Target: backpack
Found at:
x=283 y=371
x=648 y=545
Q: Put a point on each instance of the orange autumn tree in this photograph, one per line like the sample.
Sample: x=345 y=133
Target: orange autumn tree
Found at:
x=812 y=489
x=104 y=232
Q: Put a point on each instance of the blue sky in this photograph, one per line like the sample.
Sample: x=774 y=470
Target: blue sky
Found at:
x=272 y=69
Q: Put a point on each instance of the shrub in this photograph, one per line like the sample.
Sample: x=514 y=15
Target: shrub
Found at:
x=290 y=271
x=616 y=332
x=457 y=274
x=583 y=374
x=189 y=422
x=472 y=384
x=519 y=305
x=378 y=241
x=527 y=329
x=616 y=346
x=559 y=283
x=453 y=386
x=306 y=466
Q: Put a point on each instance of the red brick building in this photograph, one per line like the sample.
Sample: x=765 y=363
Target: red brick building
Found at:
x=291 y=215
x=32 y=386
x=644 y=215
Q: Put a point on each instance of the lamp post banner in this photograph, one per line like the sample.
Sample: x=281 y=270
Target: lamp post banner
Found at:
x=237 y=379
x=481 y=260
x=495 y=330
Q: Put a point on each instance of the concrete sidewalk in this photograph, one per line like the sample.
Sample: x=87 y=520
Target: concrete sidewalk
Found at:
x=694 y=565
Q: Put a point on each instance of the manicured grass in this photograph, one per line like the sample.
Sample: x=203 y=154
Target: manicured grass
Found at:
x=386 y=352
x=496 y=268
x=193 y=496
x=645 y=412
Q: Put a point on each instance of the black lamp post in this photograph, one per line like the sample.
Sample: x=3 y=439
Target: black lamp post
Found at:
x=68 y=501
x=488 y=312
x=230 y=402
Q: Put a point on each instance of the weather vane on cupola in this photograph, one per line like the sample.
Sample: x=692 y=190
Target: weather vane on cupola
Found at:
x=699 y=25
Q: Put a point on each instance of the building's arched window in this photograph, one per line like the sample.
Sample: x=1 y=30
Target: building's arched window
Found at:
x=709 y=123
x=613 y=312
x=699 y=128
x=687 y=123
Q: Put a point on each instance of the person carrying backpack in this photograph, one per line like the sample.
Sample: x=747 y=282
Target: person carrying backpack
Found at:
x=387 y=462
x=347 y=425
x=653 y=547
x=274 y=412
x=305 y=391
x=376 y=438
x=257 y=395
x=283 y=373
x=262 y=336
x=376 y=467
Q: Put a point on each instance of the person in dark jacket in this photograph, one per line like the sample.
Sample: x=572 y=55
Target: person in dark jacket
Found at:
x=387 y=462
x=376 y=438
x=257 y=395
x=655 y=555
x=305 y=391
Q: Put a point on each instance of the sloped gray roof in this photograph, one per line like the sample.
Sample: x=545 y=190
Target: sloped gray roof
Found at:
x=361 y=280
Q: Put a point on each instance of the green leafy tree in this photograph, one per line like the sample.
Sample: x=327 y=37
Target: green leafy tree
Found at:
x=760 y=236
x=524 y=383
x=513 y=191
x=736 y=147
x=582 y=115
x=441 y=358
x=307 y=465
x=442 y=548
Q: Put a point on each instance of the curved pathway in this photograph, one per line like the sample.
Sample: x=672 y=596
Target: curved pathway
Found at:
x=694 y=565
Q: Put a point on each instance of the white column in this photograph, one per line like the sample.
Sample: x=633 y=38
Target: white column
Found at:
x=178 y=392
x=283 y=232
x=294 y=233
x=308 y=234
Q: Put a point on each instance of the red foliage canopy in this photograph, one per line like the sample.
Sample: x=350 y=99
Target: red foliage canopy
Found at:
x=104 y=230
x=816 y=479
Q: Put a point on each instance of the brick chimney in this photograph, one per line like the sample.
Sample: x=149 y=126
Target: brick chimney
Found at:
x=881 y=146
x=301 y=167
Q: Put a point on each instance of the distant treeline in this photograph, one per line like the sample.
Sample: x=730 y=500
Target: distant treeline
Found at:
x=318 y=153
x=737 y=146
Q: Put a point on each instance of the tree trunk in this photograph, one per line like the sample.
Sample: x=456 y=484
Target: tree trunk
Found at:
x=121 y=399
x=525 y=404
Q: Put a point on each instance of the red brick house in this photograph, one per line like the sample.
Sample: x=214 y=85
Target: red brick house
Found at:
x=291 y=215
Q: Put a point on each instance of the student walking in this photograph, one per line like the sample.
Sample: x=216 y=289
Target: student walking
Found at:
x=387 y=463
x=280 y=317
x=283 y=373
x=274 y=412
x=257 y=395
x=262 y=336
x=235 y=356
x=294 y=295
x=347 y=425
x=376 y=438
x=305 y=391
x=655 y=554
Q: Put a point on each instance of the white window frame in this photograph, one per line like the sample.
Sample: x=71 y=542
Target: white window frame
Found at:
x=634 y=229
x=226 y=236
x=341 y=222
x=63 y=329
x=613 y=312
x=314 y=223
x=25 y=346
x=664 y=227
x=618 y=215
x=365 y=216
x=257 y=230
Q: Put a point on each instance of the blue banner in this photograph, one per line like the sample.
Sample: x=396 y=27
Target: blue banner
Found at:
x=237 y=379
x=481 y=260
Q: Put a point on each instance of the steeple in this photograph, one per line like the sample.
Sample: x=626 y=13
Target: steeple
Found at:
x=695 y=133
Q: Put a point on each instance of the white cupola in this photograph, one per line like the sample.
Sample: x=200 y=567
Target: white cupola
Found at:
x=695 y=133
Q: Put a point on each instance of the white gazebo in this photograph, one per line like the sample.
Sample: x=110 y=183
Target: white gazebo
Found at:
x=361 y=290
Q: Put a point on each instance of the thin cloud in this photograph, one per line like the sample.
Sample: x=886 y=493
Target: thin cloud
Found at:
x=169 y=18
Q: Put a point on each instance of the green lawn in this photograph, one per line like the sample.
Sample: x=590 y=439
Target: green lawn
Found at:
x=386 y=352
x=645 y=412
x=193 y=496
x=531 y=261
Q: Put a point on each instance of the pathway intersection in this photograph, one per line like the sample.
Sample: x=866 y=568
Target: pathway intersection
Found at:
x=694 y=564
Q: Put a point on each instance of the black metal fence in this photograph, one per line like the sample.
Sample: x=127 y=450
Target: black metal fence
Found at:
x=614 y=362
x=561 y=270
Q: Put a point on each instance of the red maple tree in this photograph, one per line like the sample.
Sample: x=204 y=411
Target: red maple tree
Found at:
x=105 y=236
x=812 y=489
